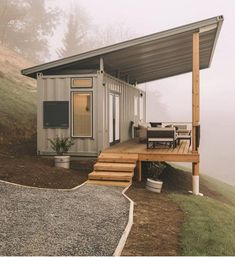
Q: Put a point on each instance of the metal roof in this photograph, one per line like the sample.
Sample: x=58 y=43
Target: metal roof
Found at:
x=147 y=58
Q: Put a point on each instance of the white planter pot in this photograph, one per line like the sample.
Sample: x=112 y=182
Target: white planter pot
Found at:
x=153 y=185
x=62 y=162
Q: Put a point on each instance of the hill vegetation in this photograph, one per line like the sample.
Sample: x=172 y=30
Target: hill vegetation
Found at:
x=209 y=221
x=17 y=100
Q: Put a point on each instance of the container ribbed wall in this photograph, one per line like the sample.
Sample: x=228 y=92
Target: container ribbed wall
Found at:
x=127 y=93
x=58 y=88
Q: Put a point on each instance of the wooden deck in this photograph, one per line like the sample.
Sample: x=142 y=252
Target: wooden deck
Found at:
x=182 y=153
x=116 y=164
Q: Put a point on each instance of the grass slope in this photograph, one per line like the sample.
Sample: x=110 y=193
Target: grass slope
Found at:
x=17 y=99
x=209 y=221
x=209 y=226
x=225 y=189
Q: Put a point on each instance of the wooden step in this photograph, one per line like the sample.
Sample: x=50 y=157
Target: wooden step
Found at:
x=114 y=166
x=108 y=183
x=120 y=158
x=109 y=175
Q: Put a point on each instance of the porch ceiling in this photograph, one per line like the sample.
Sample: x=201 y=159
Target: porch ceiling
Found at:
x=144 y=59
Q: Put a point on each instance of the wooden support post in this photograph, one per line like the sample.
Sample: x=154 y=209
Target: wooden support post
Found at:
x=195 y=90
x=100 y=107
x=195 y=108
x=195 y=169
x=139 y=171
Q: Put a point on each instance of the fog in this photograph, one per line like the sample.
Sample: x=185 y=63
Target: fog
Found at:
x=173 y=95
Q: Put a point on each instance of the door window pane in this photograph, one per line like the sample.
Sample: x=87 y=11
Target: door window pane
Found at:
x=135 y=105
x=110 y=118
x=141 y=108
x=117 y=136
x=82 y=114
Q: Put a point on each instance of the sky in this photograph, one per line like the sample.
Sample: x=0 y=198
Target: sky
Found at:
x=142 y=17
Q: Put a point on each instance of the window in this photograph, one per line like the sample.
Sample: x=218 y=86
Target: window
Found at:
x=82 y=83
x=82 y=114
x=55 y=114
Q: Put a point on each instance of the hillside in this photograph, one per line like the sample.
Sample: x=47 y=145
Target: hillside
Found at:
x=208 y=228
x=17 y=99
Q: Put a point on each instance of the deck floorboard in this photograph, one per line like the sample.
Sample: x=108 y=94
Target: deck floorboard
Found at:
x=181 y=152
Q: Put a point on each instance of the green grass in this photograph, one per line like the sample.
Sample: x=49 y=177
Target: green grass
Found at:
x=209 y=223
x=17 y=109
x=209 y=226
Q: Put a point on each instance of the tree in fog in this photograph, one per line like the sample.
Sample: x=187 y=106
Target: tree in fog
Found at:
x=74 y=40
x=25 y=26
x=110 y=35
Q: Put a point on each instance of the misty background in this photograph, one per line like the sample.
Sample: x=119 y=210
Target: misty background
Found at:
x=47 y=30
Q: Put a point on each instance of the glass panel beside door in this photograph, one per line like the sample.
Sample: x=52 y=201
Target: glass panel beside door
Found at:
x=114 y=118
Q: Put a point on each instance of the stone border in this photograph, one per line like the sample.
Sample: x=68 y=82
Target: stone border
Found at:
x=43 y=188
x=127 y=230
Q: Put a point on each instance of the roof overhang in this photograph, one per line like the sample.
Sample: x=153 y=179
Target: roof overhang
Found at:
x=147 y=58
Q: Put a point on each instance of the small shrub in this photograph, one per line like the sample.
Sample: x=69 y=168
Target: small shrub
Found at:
x=155 y=169
x=61 y=145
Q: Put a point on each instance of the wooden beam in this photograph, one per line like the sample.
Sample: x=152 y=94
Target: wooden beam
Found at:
x=195 y=89
x=195 y=168
x=169 y=157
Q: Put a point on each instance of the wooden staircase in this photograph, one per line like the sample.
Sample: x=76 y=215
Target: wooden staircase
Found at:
x=113 y=169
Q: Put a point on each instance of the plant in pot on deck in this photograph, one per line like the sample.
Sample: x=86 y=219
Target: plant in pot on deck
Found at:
x=61 y=145
x=154 y=171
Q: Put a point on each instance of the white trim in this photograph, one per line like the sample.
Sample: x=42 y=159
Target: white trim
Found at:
x=43 y=188
x=208 y=28
x=68 y=76
x=195 y=185
x=127 y=230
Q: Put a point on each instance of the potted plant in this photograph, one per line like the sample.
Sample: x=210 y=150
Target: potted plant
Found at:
x=153 y=183
x=61 y=145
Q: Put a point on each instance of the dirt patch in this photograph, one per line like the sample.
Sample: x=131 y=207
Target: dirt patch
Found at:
x=157 y=224
x=19 y=164
x=40 y=172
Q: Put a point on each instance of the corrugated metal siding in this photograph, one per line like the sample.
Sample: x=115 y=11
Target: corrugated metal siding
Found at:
x=57 y=88
x=127 y=93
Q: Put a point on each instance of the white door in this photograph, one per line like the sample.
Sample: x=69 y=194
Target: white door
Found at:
x=111 y=117
x=117 y=121
x=141 y=108
x=114 y=118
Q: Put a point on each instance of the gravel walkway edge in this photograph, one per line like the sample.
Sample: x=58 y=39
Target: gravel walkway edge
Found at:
x=127 y=230
x=44 y=188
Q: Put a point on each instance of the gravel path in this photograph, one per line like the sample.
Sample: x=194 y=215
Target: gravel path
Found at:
x=87 y=221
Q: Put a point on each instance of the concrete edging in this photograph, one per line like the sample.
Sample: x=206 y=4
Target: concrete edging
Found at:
x=127 y=230
x=44 y=188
